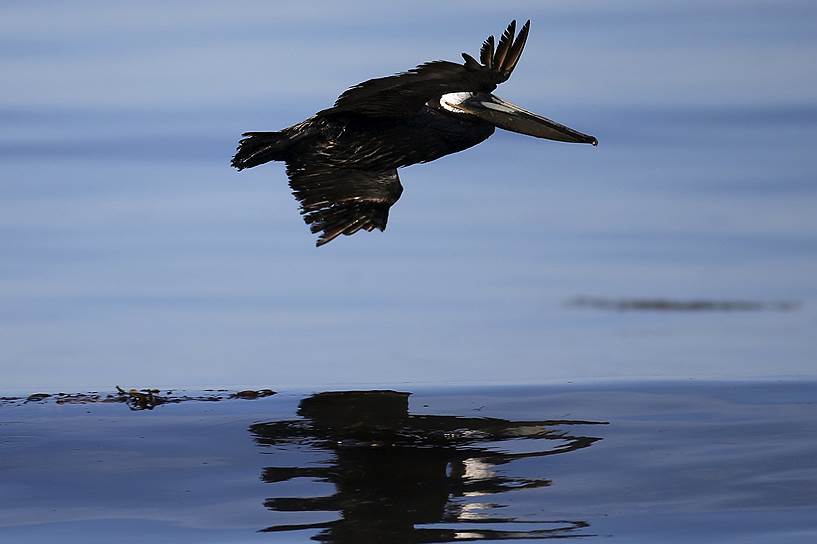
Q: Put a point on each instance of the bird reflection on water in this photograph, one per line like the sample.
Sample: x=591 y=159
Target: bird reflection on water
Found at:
x=413 y=478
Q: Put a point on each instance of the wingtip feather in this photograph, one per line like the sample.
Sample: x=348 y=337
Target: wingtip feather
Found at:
x=486 y=54
x=515 y=50
x=505 y=42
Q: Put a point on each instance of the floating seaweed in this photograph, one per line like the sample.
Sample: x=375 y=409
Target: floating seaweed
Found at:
x=671 y=305
x=136 y=399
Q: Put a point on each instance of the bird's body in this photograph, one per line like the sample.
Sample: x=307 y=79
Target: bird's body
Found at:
x=342 y=162
x=350 y=141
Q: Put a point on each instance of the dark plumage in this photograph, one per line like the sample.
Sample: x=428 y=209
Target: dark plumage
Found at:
x=342 y=162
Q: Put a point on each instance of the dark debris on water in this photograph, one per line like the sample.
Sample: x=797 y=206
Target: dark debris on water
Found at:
x=136 y=399
x=672 y=305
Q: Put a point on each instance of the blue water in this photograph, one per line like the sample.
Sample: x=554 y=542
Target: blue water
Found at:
x=676 y=462
x=130 y=253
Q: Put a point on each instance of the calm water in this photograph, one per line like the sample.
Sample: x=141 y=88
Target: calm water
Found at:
x=131 y=254
x=684 y=245
x=639 y=462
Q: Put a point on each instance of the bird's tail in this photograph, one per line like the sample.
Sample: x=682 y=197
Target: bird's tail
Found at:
x=259 y=147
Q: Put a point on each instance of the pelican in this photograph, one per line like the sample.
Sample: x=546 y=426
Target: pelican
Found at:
x=342 y=162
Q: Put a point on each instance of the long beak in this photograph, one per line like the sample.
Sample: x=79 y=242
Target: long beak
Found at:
x=503 y=114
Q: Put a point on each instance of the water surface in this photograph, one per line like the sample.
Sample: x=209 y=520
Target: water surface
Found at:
x=636 y=462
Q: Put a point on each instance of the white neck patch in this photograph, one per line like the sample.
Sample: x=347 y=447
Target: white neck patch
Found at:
x=452 y=101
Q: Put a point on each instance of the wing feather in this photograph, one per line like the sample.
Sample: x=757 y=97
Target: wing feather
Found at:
x=505 y=42
x=402 y=95
x=486 y=54
x=337 y=201
x=516 y=49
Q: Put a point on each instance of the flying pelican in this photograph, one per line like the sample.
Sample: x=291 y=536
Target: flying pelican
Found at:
x=342 y=162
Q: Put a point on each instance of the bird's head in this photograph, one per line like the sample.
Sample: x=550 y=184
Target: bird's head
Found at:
x=495 y=67
x=490 y=108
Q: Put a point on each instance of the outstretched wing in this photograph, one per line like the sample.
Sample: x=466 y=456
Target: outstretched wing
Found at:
x=403 y=94
x=337 y=201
